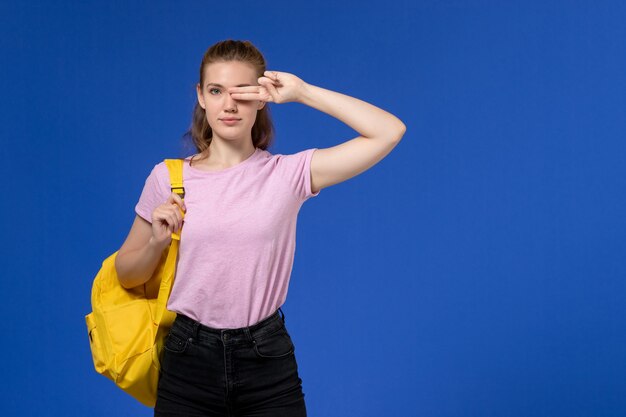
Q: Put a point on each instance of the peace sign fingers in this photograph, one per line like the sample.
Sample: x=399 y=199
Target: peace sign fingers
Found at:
x=253 y=92
x=276 y=87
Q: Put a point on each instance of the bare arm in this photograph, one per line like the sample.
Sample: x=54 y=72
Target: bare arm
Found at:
x=139 y=256
x=370 y=121
x=380 y=131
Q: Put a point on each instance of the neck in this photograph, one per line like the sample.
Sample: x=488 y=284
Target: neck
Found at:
x=223 y=154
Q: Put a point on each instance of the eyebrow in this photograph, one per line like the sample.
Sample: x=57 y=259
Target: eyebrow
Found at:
x=221 y=86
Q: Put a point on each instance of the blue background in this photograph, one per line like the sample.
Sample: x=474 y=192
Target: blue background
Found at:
x=478 y=270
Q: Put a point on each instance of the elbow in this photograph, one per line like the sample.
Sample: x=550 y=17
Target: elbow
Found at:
x=125 y=285
x=120 y=275
x=399 y=130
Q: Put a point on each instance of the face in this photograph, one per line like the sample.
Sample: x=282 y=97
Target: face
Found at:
x=214 y=98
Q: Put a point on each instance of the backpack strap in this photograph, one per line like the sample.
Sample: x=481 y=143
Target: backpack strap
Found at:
x=175 y=167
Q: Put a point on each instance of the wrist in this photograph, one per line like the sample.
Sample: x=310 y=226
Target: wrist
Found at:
x=306 y=93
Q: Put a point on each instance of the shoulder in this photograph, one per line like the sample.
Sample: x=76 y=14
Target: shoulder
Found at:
x=295 y=170
x=295 y=158
x=159 y=170
x=159 y=176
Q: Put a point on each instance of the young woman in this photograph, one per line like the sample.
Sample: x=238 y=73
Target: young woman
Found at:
x=228 y=351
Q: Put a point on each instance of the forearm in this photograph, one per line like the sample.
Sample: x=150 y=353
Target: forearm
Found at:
x=370 y=121
x=136 y=267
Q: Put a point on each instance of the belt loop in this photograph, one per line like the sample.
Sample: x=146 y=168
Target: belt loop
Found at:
x=246 y=331
x=196 y=326
x=281 y=313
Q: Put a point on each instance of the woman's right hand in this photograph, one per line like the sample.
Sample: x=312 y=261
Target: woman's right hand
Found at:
x=167 y=218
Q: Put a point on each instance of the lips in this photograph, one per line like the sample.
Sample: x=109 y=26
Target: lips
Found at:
x=230 y=119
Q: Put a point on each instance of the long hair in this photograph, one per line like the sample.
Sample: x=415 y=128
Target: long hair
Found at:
x=231 y=50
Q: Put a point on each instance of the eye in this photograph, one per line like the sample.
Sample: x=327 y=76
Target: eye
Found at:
x=213 y=89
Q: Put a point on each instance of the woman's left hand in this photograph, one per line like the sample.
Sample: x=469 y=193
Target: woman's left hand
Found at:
x=276 y=87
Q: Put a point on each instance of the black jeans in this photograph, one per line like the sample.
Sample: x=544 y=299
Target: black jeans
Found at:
x=249 y=371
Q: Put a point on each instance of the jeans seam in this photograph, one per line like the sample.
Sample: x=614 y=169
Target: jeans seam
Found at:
x=291 y=349
x=268 y=334
x=184 y=345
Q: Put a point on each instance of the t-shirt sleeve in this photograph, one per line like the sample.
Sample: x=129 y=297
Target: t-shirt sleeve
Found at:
x=155 y=191
x=296 y=168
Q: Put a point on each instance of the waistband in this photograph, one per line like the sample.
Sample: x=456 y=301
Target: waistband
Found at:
x=267 y=325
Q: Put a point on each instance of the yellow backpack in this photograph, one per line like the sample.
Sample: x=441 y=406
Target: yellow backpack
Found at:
x=127 y=327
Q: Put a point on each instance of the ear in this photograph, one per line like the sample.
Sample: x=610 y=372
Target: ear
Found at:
x=261 y=105
x=200 y=96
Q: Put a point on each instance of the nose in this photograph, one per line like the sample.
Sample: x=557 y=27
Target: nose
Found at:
x=230 y=105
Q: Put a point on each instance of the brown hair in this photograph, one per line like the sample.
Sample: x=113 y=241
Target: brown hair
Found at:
x=231 y=50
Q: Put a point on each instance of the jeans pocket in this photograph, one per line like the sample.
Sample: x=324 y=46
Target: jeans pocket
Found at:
x=175 y=343
x=274 y=345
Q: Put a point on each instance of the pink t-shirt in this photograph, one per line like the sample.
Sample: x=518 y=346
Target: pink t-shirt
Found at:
x=239 y=237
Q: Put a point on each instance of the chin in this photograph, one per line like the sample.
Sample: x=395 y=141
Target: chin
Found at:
x=229 y=137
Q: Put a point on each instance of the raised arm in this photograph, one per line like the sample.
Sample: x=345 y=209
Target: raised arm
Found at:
x=380 y=131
